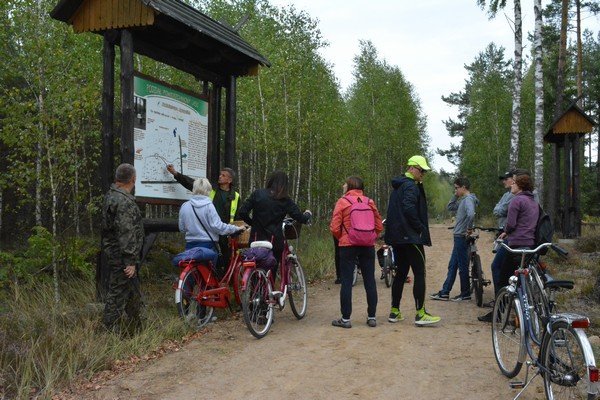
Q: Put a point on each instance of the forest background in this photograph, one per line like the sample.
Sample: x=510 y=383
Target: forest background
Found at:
x=293 y=116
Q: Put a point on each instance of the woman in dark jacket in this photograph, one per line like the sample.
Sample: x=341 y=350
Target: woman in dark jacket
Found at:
x=269 y=206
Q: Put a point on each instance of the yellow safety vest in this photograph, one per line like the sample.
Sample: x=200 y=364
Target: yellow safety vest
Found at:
x=234 y=204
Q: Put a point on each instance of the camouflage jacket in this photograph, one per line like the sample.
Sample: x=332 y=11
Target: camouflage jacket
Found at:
x=122 y=229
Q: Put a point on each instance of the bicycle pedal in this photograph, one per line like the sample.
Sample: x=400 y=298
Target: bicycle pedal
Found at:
x=516 y=384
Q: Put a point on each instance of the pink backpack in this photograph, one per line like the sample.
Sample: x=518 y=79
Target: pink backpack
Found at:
x=362 y=223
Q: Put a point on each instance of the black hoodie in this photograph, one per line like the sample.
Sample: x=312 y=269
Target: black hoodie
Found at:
x=407 y=221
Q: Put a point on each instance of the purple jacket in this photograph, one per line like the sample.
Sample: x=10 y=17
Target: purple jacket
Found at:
x=523 y=212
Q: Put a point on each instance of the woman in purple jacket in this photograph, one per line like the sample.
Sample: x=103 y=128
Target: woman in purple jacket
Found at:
x=521 y=220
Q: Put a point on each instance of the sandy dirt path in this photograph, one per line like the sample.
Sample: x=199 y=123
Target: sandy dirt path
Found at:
x=310 y=359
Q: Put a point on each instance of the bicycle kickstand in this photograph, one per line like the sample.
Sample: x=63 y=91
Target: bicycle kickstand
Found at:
x=524 y=383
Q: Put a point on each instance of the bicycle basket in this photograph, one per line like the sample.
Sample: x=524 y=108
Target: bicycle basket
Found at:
x=292 y=231
x=244 y=237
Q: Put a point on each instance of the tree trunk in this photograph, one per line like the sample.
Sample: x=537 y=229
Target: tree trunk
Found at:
x=299 y=154
x=1 y=208
x=518 y=80
x=554 y=196
x=539 y=103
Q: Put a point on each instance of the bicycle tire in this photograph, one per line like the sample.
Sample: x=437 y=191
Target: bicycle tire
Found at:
x=566 y=354
x=256 y=305
x=238 y=275
x=297 y=289
x=538 y=299
x=477 y=279
x=387 y=269
x=508 y=333
x=186 y=299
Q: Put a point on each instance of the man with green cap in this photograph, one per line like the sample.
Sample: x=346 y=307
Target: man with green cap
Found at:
x=407 y=230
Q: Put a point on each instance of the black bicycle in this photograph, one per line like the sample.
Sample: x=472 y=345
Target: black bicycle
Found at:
x=478 y=281
x=561 y=355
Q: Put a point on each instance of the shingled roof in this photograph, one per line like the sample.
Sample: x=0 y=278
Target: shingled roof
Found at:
x=169 y=28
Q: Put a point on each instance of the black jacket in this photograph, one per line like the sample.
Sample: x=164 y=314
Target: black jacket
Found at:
x=268 y=214
x=407 y=221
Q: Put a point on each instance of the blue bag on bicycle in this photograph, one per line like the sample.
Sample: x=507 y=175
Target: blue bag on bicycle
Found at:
x=263 y=257
x=196 y=254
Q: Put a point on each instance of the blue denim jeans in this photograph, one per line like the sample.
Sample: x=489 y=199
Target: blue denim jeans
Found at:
x=206 y=245
x=459 y=261
x=496 y=267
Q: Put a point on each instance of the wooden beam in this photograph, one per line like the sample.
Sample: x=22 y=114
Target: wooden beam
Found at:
x=568 y=187
x=127 y=116
x=576 y=206
x=144 y=48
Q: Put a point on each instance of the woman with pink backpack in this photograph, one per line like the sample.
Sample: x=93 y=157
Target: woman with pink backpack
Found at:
x=356 y=224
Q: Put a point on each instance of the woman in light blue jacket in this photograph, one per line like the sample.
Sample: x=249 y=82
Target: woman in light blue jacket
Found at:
x=199 y=220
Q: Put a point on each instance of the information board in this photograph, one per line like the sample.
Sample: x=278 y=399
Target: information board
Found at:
x=171 y=127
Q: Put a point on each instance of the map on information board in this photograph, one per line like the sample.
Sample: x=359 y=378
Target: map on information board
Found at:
x=170 y=127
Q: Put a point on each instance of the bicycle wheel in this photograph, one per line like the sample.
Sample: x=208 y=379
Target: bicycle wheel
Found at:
x=387 y=269
x=258 y=312
x=186 y=298
x=508 y=333
x=538 y=300
x=477 y=279
x=566 y=354
x=297 y=289
x=238 y=274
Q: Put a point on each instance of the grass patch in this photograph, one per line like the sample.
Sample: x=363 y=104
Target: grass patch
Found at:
x=46 y=345
x=315 y=250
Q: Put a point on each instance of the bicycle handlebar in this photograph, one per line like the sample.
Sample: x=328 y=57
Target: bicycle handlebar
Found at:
x=481 y=228
x=554 y=247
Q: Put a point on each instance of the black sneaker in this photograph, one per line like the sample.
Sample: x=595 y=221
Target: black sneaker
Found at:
x=439 y=296
x=487 y=317
x=461 y=297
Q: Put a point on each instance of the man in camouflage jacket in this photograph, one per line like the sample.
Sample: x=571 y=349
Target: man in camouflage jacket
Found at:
x=123 y=237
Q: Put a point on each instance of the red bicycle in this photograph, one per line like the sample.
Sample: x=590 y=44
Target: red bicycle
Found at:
x=199 y=291
x=259 y=299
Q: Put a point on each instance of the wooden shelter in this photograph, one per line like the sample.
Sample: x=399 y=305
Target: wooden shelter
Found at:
x=171 y=32
x=564 y=133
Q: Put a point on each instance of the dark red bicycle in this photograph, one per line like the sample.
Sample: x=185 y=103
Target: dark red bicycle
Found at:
x=259 y=300
x=199 y=290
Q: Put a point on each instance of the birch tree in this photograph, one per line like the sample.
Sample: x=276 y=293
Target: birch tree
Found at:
x=539 y=102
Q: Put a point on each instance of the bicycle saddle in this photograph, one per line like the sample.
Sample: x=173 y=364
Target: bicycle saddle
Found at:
x=262 y=243
x=559 y=284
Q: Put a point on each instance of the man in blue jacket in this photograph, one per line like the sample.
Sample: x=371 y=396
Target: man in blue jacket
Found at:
x=463 y=203
x=407 y=230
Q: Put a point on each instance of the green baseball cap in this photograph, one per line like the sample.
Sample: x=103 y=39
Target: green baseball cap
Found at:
x=419 y=161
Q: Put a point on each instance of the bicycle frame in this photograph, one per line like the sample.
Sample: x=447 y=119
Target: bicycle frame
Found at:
x=217 y=294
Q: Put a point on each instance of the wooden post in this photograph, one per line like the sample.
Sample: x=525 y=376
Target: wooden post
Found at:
x=215 y=132
x=108 y=111
x=108 y=144
x=127 y=116
x=576 y=196
x=568 y=189
x=230 y=115
x=555 y=194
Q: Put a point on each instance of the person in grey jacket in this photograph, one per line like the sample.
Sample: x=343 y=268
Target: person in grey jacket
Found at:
x=501 y=208
x=200 y=221
x=463 y=203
